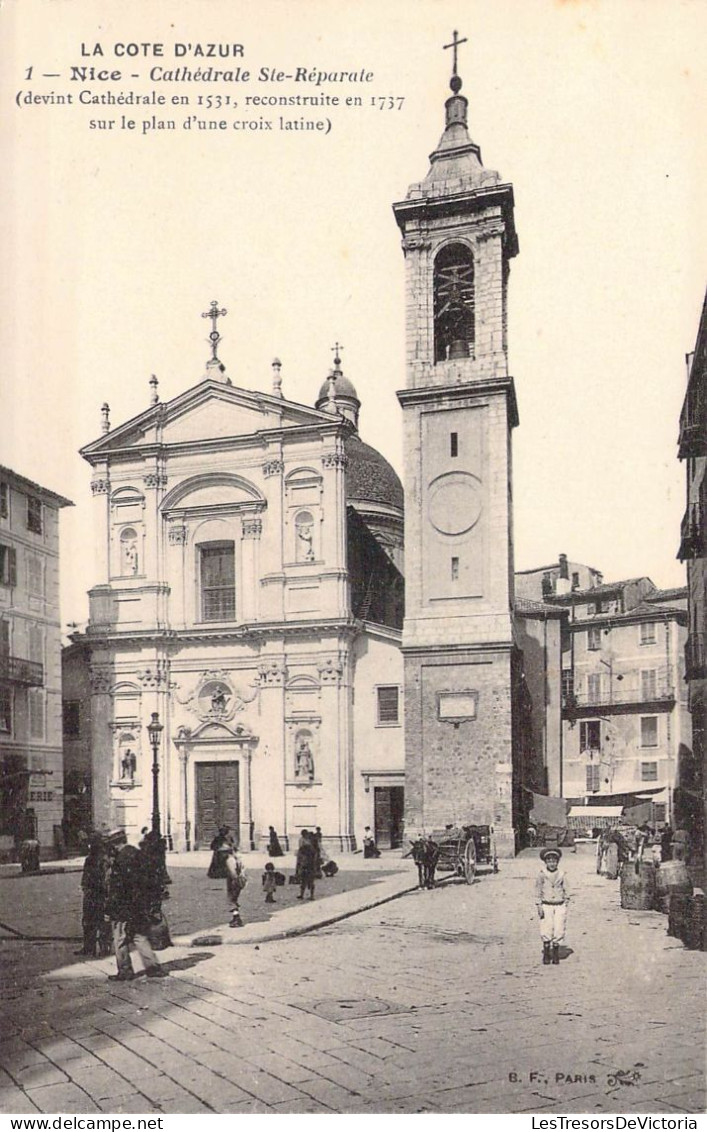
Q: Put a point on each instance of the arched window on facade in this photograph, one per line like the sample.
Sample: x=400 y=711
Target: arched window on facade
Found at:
x=454 y=303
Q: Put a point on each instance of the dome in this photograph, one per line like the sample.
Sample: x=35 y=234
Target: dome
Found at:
x=343 y=387
x=369 y=476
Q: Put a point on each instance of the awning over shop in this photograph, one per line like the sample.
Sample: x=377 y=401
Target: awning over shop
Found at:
x=596 y=812
x=637 y=815
x=549 y=811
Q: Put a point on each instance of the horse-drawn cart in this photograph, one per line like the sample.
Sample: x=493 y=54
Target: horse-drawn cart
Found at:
x=462 y=849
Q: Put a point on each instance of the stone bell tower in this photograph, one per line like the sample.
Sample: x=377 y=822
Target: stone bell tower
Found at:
x=459 y=409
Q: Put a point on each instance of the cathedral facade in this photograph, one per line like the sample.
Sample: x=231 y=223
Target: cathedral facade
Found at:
x=248 y=594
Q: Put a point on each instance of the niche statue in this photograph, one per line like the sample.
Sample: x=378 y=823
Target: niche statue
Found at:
x=304 y=763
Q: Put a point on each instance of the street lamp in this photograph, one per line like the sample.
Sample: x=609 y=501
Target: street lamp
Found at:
x=154 y=730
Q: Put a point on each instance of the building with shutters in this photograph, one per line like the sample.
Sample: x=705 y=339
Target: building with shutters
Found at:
x=693 y=551
x=626 y=730
x=31 y=771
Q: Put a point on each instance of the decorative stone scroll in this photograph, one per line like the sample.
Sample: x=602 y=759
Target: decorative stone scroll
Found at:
x=217 y=698
x=415 y=243
x=330 y=670
x=100 y=680
x=156 y=676
x=334 y=460
x=252 y=528
x=155 y=479
x=273 y=673
x=488 y=231
x=177 y=535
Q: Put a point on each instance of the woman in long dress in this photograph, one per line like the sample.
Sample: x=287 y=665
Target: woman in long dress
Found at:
x=221 y=846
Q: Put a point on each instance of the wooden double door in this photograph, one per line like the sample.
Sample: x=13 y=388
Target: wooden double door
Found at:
x=389 y=810
x=217 y=801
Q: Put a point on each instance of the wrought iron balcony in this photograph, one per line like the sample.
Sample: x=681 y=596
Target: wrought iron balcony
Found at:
x=692 y=440
x=16 y=670
x=696 y=656
x=620 y=694
x=693 y=539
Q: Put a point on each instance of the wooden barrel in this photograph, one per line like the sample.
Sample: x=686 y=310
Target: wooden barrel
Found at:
x=678 y=912
x=672 y=878
x=610 y=861
x=638 y=885
x=694 y=928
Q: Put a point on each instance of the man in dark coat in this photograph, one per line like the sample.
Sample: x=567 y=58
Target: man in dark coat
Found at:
x=132 y=893
x=94 y=882
x=307 y=864
x=430 y=859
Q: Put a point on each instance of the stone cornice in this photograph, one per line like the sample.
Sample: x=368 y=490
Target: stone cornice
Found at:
x=247 y=634
x=487 y=387
x=456 y=650
x=435 y=208
x=254 y=440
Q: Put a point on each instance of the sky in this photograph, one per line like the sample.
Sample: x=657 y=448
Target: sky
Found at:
x=116 y=240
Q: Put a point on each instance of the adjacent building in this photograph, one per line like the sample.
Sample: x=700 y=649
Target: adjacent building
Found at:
x=31 y=768
x=693 y=551
x=625 y=723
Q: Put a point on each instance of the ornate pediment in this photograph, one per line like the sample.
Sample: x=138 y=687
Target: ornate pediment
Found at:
x=207 y=411
x=212 y=732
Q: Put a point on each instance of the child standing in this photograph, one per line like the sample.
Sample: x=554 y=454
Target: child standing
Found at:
x=236 y=881
x=269 y=883
x=551 y=897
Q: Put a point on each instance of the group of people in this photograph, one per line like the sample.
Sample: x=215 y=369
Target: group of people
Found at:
x=312 y=863
x=123 y=889
x=625 y=842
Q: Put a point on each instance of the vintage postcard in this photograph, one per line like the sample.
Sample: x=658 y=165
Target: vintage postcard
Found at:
x=352 y=551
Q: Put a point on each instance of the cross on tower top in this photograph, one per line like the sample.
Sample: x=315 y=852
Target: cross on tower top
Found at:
x=336 y=349
x=214 y=337
x=455 y=82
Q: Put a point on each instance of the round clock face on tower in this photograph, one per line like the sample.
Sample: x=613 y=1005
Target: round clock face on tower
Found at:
x=454 y=503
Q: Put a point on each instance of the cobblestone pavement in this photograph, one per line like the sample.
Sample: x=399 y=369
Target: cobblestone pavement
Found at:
x=436 y=1002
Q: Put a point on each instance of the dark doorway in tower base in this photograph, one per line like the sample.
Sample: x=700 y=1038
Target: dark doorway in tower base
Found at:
x=217 y=801
x=389 y=808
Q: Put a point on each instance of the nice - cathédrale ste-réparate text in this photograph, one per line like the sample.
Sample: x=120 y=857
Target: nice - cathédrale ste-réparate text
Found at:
x=314 y=76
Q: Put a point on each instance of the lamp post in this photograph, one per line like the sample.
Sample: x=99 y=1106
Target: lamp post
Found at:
x=154 y=730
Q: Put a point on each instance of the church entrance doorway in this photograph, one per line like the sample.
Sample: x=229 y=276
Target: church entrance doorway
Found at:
x=217 y=801
x=389 y=807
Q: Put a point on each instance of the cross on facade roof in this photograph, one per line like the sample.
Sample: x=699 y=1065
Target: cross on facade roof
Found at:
x=214 y=337
x=455 y=44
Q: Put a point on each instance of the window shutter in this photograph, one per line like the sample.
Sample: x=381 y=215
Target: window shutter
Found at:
x=388 y=711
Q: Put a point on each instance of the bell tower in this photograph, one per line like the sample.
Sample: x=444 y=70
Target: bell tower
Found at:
x=459 y=410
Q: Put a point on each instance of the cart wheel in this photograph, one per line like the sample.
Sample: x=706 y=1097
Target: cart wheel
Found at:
x=470 y=861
